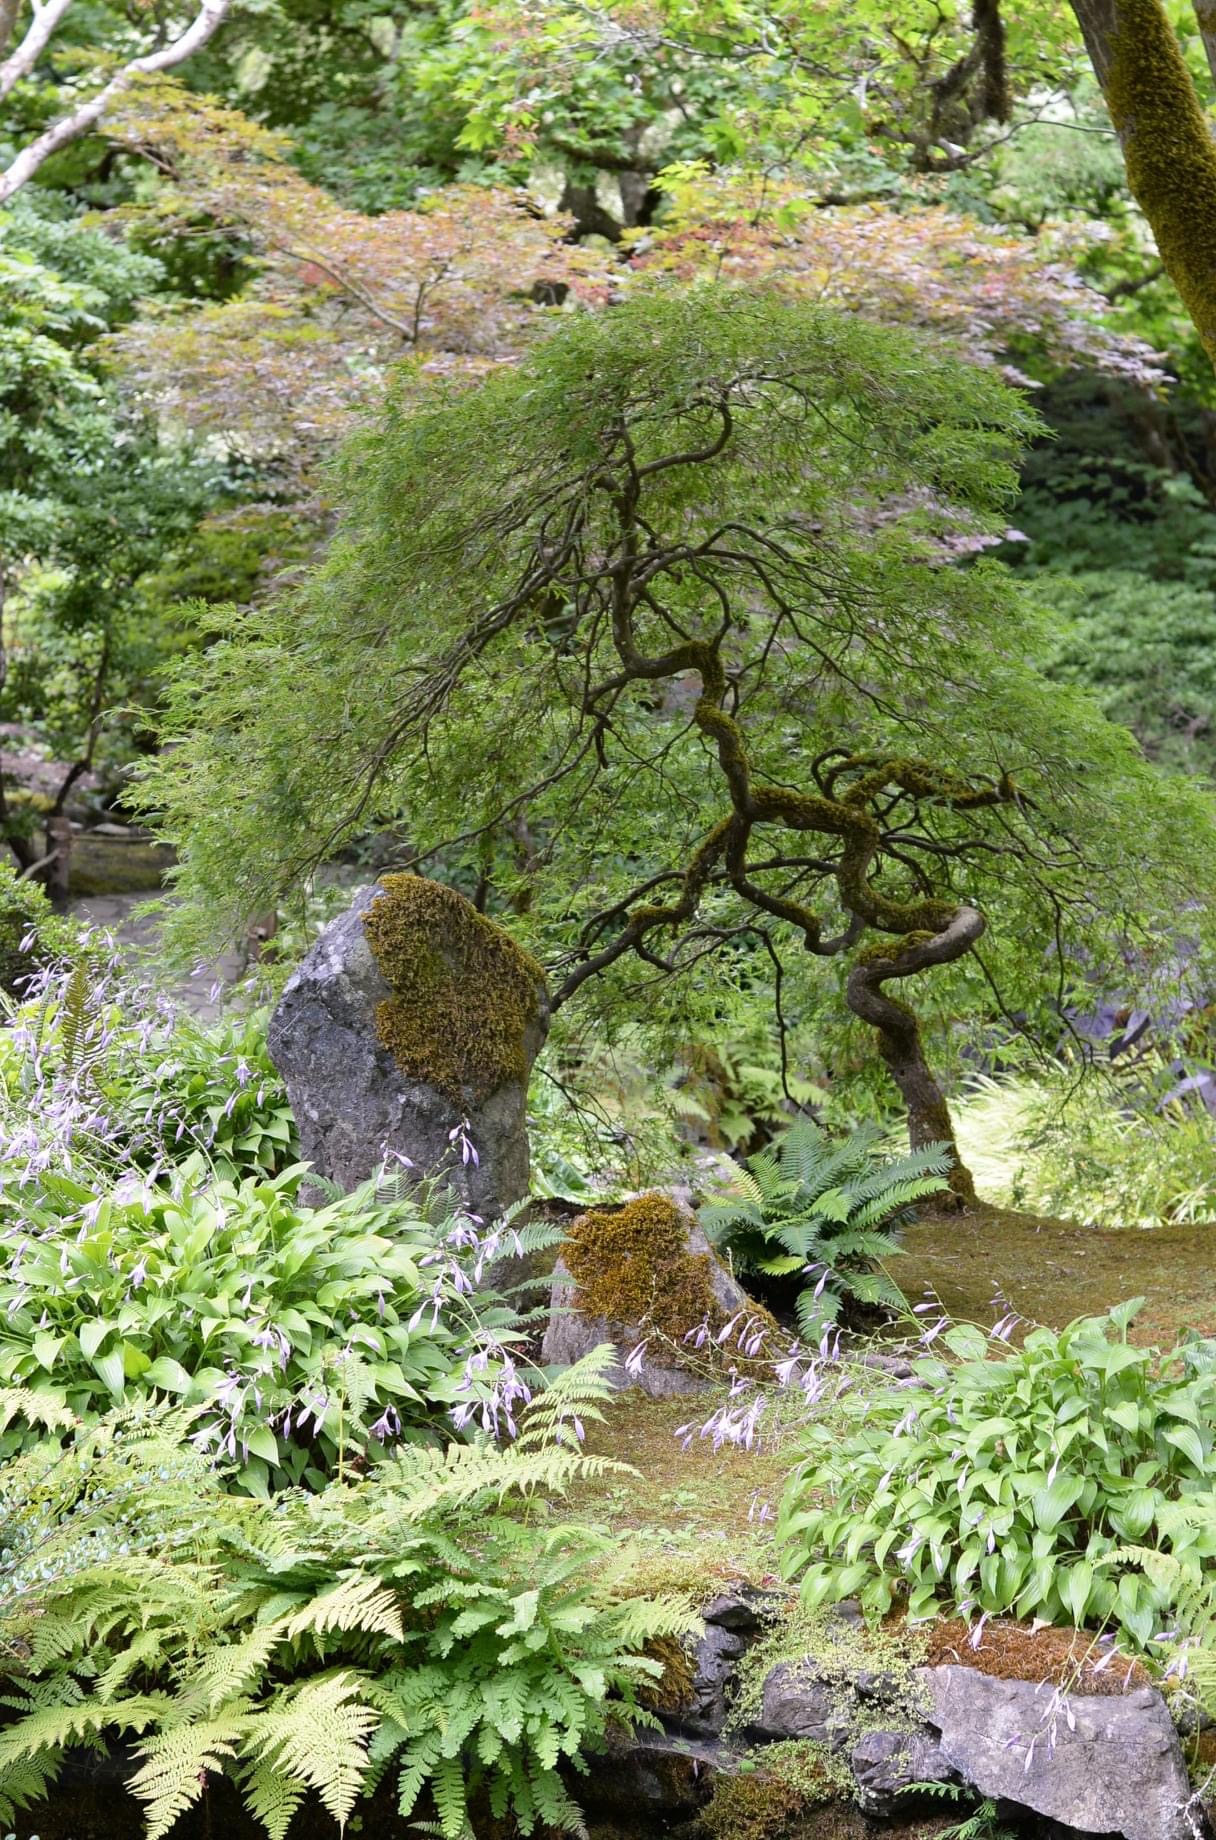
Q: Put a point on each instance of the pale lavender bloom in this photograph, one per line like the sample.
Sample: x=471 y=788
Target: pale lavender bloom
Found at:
x=633 y=1360
x=387 y=1425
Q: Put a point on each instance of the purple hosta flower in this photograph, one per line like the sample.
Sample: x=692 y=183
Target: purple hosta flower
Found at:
x=633 y=1360
x=825 y=1272
x=733 y=1425
x=752 y=1337
x=933 y=1331
x=1002 y=1331
x=977 y=1634
x=727 y=1330
x=267 y=1336
x=460 y=1139
x=243 y=1073
x=139 y=1273
x=787 y=1370
x=387 y=1425
x=698 y=1335
x=759 y=1510
x=908 y=1551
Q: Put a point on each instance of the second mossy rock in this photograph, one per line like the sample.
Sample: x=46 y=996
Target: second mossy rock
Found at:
x=413 y=1017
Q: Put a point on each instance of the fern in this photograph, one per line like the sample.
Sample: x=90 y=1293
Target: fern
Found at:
x=414 y=1623
x=814 y=1208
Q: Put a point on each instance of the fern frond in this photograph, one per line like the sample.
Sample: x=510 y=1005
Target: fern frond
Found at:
x=177 y=1763
x=355 y=1602
x=317 y=1734
x=271 y=1797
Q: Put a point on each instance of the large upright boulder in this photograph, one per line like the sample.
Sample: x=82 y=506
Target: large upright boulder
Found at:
x=412 y=1018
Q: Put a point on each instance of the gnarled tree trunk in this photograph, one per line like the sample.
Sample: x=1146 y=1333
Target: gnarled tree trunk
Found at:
x=899 y=1038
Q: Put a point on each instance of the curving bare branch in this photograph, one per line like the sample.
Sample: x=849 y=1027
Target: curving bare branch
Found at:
x=81 y=120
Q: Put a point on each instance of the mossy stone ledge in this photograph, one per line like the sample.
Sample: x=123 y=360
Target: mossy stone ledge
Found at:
x=645 y=1274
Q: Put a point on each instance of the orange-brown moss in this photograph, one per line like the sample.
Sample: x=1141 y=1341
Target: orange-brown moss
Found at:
x=1013 y=1651
x=464 y=994
x=632 y=1266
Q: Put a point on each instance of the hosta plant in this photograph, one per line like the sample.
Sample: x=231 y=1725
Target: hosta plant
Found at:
x=415 y=1625
x=816 y=1212
x=1006 y=1479
x=314 y=1337
x=209 y=1087
x=97 y=1070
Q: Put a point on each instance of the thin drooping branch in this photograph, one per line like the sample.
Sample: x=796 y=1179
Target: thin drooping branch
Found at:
x=81 y=120
x=41 y=30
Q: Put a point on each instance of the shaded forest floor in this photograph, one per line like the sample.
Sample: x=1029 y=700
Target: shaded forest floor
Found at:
x=1054 y=1270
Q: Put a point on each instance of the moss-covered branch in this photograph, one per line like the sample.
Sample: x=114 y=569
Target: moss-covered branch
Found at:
x=1166 y=140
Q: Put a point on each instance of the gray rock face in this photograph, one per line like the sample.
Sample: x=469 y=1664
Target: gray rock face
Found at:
x=884 y=1763
x=570 y=1335
x=1099 y=1765
x=353 y=1105
x=796 y=1705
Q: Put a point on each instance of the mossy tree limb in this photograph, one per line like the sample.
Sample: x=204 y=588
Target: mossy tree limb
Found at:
x=1165 y=135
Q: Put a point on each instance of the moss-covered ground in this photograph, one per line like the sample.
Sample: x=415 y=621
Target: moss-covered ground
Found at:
x=1054 y=1270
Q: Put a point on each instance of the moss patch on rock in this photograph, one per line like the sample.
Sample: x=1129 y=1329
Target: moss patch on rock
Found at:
x=768 y=1800
x=632 y=1266
x=464 y=995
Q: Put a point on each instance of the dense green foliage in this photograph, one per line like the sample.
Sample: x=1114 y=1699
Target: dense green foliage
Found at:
x=416 y=1623
x=821 y=1212
x=1008 y=1480
x=1115 y=1150
x=820 y=509
x=316 y=1336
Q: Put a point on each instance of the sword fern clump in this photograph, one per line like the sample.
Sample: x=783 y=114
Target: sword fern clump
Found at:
x=820 y=1210
x=418 y=1625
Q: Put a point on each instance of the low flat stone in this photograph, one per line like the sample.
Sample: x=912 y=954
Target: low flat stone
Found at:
x=1098 y=1765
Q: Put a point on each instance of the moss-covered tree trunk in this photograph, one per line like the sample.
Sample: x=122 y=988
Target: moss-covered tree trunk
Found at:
x=1164 y=133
